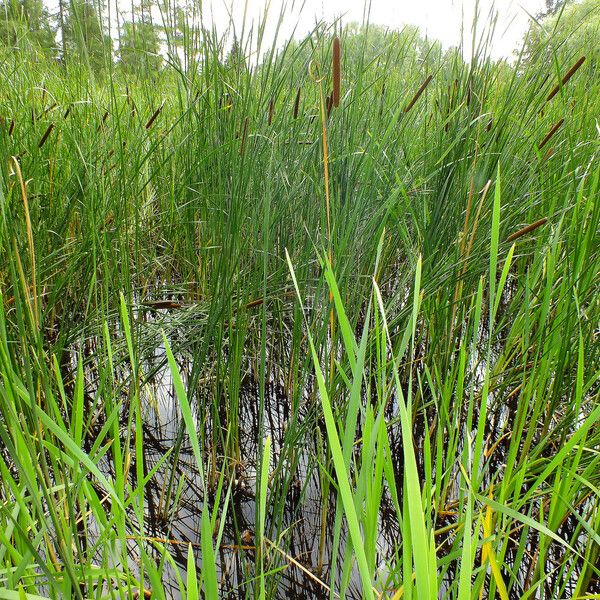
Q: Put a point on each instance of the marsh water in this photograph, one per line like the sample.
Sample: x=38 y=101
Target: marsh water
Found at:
x=301 y=511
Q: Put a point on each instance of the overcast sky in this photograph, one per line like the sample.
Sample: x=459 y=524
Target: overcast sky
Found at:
x=440 y=19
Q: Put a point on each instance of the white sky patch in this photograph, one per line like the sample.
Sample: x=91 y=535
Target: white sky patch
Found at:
x=446 y=20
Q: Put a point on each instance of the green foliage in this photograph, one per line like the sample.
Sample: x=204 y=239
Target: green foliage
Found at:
x=139 y=49
x=85 y=40
x=25 y=24
x=568 y=32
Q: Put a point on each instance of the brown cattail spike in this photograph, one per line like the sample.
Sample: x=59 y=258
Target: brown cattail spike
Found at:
x=11 y=128
x=549 y=135
x=548 y=154
x=103 y=121
x=297 y=104
x=566 y=78
x=337 y=71
x=418 y=94
x=271 y=112
x=154 y=116
x=45 y=136
x=528 y=229
x=329 y=103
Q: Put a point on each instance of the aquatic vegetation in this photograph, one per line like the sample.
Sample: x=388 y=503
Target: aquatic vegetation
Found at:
x=321 y=326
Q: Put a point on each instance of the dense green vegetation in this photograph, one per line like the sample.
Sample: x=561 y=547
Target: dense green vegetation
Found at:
x=253 y=344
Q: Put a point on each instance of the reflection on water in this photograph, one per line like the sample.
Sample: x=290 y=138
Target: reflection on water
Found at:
x=301 y=506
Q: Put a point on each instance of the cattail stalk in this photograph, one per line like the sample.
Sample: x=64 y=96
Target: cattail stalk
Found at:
x=549 y=135
x=528 y=229
x=46 y=134
x=418 y=94
x=244 y=132
x=337 y=72
x=566 y=78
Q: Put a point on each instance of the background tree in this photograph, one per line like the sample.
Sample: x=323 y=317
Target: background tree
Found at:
x=26 y=24
x=140 y=45
x=567 y=32
x=84 y=36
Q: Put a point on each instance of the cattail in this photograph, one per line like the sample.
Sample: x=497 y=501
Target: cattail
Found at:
x=337 y=72
x=154 y=116
x=67 y=112
x=244 y=132
x=566 y=78
x=162 y=304
x=103 y=121
x=271 y=111
x=418 y=94
x=488 y=127
x=47 y=110
x=297 y=104
x=529 y=228
x=548 y=154
x=329 y=102
x=45 y=136
x=549 y=135
x=11 y=128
